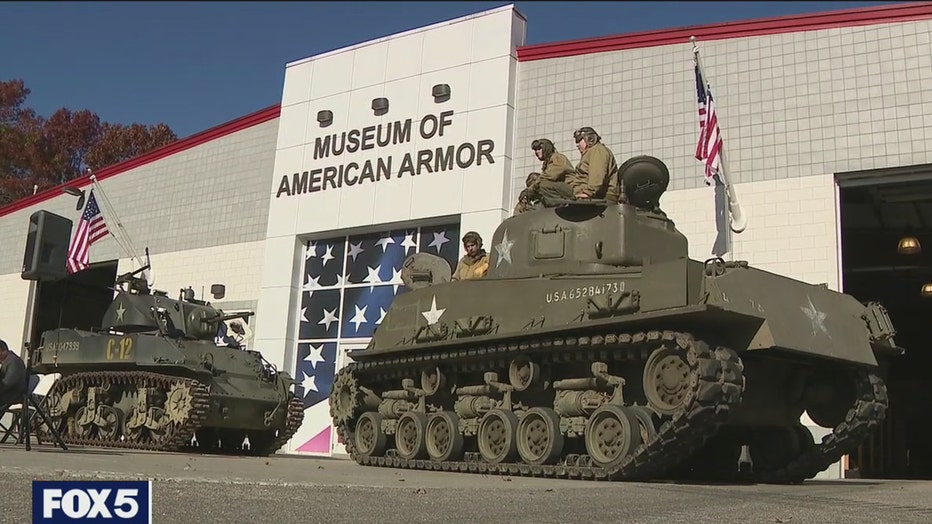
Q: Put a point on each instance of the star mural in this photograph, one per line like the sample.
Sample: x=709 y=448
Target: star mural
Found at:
x=347 y=288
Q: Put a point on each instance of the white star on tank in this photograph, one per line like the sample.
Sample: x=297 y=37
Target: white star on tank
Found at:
x=816 y=317
x=433 y=314
x=504 y=249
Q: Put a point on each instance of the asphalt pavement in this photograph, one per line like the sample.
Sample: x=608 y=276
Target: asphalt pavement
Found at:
x=286 y=489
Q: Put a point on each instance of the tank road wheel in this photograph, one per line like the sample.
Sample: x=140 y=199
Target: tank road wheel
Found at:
x=410 y=434
x=83 y=425
x=774 y=447
x=57 y=412
x=829 y=396
x=54 y=405
x=496 y=436
x=369 y=438
x=112 y=421
x=539 y=438
x=344 y=398
x=612 y=432
x=805 y=438
x=666 y=380
x=444 y=440
x=156 y=430
x=105 y=427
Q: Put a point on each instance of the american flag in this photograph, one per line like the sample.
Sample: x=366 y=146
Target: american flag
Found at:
x=709 y=146
x=91 y=228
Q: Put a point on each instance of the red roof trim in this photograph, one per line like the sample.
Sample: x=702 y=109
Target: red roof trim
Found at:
x=768 y=26
x=222 y=130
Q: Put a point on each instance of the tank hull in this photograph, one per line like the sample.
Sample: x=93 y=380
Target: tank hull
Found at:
x=671 y=370
x=148 y=392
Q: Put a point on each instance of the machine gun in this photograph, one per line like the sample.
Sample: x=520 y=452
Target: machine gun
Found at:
x=133 y=284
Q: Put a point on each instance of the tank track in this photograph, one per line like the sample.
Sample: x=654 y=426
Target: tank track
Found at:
x=866 y=414
x=182 y=435
x=293 y=421
x=716 y=382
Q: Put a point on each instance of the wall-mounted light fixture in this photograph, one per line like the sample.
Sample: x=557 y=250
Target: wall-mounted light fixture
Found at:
x=926 y=290
x=909 y=246
x=380 y=106
x=73 y=191
x=441 y=92
x=324 y=117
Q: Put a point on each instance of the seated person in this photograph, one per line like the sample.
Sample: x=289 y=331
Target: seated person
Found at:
x=596 y=173
x=529 y=196
x=556 y=172
x=12 y=376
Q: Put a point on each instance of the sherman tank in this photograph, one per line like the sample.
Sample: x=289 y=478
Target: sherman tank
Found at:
x=595 y=348
x=156 y=377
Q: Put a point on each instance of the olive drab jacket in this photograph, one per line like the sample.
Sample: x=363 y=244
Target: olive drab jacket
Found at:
x=471 y=268
x=596 y=174
x=557 y=168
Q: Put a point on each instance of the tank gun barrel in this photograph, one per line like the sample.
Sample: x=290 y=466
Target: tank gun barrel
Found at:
x=136 y=284
x=127 y=277
x=223 y=318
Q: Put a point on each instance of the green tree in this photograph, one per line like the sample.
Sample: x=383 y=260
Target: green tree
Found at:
x=37 y=153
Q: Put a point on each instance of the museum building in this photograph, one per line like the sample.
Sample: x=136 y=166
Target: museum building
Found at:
x=305 y=210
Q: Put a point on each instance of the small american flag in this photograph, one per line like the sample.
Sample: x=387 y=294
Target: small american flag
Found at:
x=91 y=228
x=709 y=146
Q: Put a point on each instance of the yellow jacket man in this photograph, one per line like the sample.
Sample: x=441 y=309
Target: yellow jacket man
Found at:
x=475 y=263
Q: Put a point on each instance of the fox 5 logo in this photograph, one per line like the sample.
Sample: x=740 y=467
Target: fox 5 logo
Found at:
x=124 y=502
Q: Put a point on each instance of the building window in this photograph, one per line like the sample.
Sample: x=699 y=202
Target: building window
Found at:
x=348 y=284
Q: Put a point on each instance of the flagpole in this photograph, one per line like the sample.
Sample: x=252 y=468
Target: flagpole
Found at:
x=737 y=221
x=119 y=233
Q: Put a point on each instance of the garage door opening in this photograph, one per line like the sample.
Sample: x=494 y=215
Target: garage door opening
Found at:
x=886 y=244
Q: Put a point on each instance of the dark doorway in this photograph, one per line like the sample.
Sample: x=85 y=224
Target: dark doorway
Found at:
x=76 y=301
x=878 y=213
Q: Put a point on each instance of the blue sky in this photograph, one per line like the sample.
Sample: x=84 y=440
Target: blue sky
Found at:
x=195 y=65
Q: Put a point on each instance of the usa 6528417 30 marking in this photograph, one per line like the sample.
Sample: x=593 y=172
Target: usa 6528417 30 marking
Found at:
x=585 y=291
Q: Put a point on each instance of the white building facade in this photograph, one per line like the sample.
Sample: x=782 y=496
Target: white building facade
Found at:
x=402 y=144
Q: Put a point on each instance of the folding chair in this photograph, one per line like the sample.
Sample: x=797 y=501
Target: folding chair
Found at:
x=16 y=410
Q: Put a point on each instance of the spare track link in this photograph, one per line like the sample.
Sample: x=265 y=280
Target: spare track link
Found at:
x=292 y=422
x=717 y=379
x=866 y=414
x=183 y=434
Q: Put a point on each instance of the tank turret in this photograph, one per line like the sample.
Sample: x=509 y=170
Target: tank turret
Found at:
x=135 y=309
x=597 y=349
x=591 y=236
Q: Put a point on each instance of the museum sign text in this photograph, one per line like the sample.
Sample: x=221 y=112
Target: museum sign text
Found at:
x=444 y=157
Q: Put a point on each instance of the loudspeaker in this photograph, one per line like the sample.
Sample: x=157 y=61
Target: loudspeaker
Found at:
x=46 y=246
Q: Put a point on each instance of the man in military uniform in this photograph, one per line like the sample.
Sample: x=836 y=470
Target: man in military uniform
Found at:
x=530 y=195
x=12 y=376
x=475 y=263
x=556 y=172
x=596 y=173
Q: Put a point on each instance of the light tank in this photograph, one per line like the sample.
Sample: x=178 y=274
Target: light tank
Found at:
x=597 y=349
x=156 y=377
